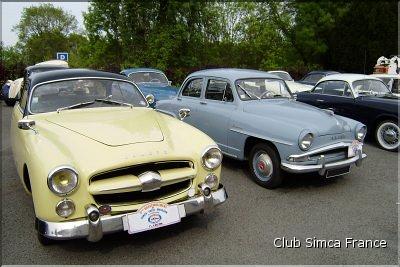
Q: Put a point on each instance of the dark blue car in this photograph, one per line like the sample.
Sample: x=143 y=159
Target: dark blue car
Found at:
x=151 y=81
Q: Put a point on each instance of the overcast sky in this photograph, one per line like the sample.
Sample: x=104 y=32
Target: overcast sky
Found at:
x=11 y=14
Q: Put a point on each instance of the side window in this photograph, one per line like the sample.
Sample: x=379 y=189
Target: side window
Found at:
x=347 y=90
x=334 y=88
x=24 y=95
x=193 y=88
x=319 y=88
x=219 y=90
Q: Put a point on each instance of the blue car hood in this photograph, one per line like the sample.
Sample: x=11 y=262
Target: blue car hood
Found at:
x=160 y=92
x=298 y=114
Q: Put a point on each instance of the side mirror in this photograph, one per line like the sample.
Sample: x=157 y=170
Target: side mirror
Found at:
x=183 y=113
x=26 y=124
x=169 y=83
x=150 y=99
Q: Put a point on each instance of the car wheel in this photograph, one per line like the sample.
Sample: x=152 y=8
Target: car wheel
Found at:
x=44 y=240
x=264 y=163
x=387 y=135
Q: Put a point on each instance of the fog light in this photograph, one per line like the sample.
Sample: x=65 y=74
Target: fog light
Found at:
x=93 y=216
x=205 y=190
x=211 y=180
x=65 y=208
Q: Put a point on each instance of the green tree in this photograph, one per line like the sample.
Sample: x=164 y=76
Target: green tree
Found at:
x=43 y=30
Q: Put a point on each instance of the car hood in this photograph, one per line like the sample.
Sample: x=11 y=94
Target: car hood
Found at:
x=298 y=114
x=111 y=127
x=159 y=91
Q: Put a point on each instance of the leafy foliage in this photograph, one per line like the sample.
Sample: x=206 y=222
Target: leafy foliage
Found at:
x=180 y=37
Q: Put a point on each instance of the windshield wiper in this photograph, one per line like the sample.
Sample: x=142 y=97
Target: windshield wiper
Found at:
x=108 y=101
x=82 y=104
x=247 y=93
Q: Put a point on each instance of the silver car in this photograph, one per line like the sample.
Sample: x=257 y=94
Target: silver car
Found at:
x=252 y=116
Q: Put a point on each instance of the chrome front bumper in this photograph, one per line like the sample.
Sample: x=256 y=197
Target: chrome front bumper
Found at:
x=106 y=224
x=322 y=167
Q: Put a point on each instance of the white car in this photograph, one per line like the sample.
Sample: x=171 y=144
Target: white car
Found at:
x=294 y=87
x=391 y=80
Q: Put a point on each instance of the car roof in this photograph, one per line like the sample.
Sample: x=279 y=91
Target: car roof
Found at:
x=132 y=70
x=45 y=66
x=327 y=72
x=275 y=71
x=385 y=75
x=70 y=74
x=348 y=77
x=234 y=74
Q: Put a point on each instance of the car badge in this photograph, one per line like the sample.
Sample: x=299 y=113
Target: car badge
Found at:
x=150 y=181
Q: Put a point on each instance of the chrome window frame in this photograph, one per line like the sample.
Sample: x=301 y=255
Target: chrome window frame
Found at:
x=77 y=78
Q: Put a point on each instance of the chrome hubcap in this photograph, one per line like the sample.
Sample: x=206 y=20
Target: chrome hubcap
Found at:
x=388 y=135
x=263 y=167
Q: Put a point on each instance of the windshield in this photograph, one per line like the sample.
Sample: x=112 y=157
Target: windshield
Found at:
x=370 y=87
x=148 y=77
x=260 y=88
x=57 y=95
x=283 y=75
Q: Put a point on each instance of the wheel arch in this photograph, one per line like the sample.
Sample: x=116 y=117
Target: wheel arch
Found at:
x=381 y=118
x=251 y=141
x=26 y=179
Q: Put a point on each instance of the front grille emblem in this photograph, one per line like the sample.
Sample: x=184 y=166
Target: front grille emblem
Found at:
x=150 y=181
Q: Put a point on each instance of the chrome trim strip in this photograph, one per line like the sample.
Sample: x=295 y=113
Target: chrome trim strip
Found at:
x=115 y=223
x=322 y=167
x=261 y=137
x=28 y=104
x=322 y=149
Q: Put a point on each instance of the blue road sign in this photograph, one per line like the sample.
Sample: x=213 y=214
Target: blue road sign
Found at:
x=62 y=56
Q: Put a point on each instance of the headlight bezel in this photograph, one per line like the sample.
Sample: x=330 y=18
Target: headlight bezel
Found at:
x=62 y=201
x=360 y=128
x=207 y=150
x=302 y=138
x=57 y=170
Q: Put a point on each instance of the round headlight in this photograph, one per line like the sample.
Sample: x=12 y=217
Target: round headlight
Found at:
x=361 y=132
x=212 y=158
x=306 y=141
x=65 y=208
x=211 y=180
x=62 y=181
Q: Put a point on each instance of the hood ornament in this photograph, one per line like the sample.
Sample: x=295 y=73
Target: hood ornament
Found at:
x=150 y=181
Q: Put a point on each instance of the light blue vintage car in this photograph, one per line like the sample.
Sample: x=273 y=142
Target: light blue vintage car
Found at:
x=252 y=116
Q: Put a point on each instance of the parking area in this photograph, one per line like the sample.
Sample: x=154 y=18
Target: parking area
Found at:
x=360 y=205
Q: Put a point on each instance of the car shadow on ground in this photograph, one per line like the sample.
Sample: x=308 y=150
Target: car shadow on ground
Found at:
x=290 y=181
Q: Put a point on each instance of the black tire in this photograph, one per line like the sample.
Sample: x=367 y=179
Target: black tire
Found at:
x=379 y=136
x=45 y=241
x=274 y=177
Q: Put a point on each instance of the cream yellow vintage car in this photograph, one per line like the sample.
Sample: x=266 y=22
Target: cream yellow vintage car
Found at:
x=98 y=160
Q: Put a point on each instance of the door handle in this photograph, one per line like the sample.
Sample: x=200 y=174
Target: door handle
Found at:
x=203 y=103
x=320 y=100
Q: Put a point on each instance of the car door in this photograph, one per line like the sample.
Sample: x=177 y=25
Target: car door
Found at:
x=17 y=135
x=315 y=97
x=337 y=96
x=189 y=97
x=215 y=110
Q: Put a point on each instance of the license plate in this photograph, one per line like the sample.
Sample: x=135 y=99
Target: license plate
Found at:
x=337 y=172
x=354 y=148
x=151 y=216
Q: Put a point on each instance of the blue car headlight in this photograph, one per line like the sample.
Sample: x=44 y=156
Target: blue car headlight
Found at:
x=306 y=139
x=360 y=132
